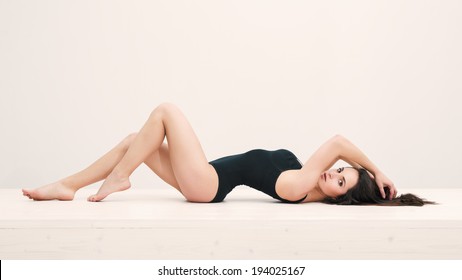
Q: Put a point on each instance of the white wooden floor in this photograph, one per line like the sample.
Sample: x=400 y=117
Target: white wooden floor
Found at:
x=157 y=223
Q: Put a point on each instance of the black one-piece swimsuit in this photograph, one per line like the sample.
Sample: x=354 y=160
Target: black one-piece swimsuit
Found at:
x=258 y=169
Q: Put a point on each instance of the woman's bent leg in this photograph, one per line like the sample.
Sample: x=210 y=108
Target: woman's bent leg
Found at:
x=196 y=178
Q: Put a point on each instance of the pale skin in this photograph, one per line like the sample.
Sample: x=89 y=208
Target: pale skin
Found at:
x=182 y=164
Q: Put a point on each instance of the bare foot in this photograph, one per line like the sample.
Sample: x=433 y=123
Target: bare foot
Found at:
x=113 y=183
x=49 y=192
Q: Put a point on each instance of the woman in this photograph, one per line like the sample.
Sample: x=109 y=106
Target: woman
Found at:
x=182 y=164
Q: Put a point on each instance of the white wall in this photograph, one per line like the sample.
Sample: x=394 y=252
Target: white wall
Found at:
x=77 y=76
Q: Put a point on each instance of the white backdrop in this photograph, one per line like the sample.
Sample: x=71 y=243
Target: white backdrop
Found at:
x=78 y=76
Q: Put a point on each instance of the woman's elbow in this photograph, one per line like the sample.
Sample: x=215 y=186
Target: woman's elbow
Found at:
x=337 y=145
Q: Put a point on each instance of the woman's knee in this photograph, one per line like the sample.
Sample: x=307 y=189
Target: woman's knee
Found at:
x=164 y=109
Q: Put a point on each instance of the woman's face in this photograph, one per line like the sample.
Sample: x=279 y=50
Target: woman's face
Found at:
x=336 y=182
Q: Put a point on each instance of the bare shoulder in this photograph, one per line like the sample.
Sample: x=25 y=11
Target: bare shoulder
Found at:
x=294 y=184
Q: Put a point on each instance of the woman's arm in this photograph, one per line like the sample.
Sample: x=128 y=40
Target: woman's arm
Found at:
x=355 y=157
x=340 y=148
x=351 y=154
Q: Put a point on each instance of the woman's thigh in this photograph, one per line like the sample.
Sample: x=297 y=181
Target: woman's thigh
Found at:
x=196 y=178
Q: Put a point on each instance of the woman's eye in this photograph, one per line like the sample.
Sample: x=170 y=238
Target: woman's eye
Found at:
x=340 y=182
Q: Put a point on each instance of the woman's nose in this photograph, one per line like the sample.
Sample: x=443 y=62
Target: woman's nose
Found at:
x=331 y=175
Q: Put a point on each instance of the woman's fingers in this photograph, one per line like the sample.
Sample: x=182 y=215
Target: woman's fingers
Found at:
x=381 y=188
x=383 y=182
x=393 y=191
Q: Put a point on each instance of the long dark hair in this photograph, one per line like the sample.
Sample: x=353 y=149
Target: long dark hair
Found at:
x=366 y=192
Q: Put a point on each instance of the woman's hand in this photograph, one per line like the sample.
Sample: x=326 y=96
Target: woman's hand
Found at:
x=382 y=182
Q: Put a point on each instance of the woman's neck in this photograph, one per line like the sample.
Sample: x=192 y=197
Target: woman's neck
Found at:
x=316 y=195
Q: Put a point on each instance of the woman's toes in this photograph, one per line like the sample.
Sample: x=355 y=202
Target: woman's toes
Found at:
x=26 y=193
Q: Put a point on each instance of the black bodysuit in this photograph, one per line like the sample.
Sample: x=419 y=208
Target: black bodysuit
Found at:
x=258 y=169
